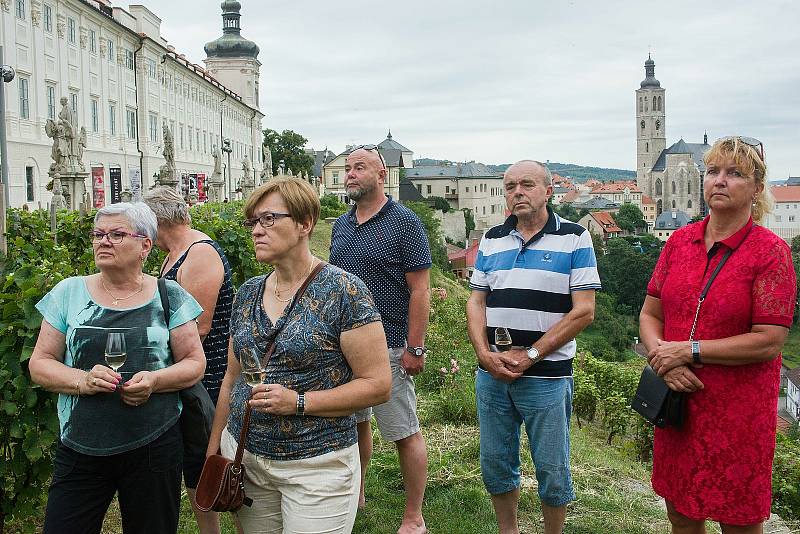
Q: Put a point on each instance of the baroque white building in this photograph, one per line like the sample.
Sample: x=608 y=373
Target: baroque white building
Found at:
x=123 y=82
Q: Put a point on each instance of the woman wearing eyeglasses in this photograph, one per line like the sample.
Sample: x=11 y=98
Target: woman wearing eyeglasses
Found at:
x=118 y=429
x=724 y=352
x=301 y=454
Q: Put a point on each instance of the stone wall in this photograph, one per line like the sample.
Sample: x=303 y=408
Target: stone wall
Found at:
x=453 y=225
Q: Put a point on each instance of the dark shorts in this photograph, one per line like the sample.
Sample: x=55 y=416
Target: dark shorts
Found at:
x=147 y=481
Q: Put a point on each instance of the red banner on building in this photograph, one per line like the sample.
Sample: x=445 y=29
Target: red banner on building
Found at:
x=201 y=187
x=98 y=187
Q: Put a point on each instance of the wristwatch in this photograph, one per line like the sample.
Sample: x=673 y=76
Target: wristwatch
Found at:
x=301 y=404
x=419 y=352
x=696 y=353
x=533 y=354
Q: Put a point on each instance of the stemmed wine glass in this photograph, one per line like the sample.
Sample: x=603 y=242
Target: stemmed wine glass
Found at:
x=116 y=353
x=502 y=339
x=252 y=371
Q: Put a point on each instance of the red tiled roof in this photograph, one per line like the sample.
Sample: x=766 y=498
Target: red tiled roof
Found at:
x=469 y=253
x=572 y=196
x=786 y=193
x=794 y=375
x=647 y=200
x=616 y=187
x=606 y=221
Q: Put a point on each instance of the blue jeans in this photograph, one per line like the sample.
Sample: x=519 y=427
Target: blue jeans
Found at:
x=545 y=406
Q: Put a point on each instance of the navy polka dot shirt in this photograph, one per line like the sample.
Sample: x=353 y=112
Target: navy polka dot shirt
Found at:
x=380 y=251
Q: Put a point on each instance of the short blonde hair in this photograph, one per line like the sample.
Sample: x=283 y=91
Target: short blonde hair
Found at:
x=749 y=162
x=168 y=205
x=301 y=199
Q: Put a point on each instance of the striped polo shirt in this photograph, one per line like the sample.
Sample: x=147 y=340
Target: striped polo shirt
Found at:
x=530 y=283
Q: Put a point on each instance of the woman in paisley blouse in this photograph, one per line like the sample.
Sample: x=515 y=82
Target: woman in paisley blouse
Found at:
x=301 y=452
x=718 y=466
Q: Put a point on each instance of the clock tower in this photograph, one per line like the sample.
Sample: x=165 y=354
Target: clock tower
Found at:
x=651 y=137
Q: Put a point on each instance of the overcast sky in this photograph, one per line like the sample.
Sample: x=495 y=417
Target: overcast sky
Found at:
x=497 y=81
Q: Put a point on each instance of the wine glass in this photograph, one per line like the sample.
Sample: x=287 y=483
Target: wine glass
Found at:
x=116 y=352
x=252 y=371
x=502 y=339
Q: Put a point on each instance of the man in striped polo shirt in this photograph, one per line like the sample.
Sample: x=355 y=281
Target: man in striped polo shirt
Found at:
x=535 y=276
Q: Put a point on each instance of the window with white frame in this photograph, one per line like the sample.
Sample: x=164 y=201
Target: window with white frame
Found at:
x=47 y=18
x=791 y=218
x=20 y=9
x=50 y=91
x=130 y=123
x=111 y=57
x=112 y=118
x=777 y=218
x=180 y=136
x=153 y=127
x=72 y=31
x=94 y=107
x=129 y=64
x=151 y=68
x=190 y=138
x=73 y=104
x=24 y=98
x=92 y=41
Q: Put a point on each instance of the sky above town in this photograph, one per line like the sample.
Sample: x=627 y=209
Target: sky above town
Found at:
x=496 y=81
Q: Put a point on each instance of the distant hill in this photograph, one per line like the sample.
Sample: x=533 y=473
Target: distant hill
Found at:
x=578 y=173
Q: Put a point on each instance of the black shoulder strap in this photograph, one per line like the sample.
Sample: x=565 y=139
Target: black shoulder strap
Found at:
x=162 y=292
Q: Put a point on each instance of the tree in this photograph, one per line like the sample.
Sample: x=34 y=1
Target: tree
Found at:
x=432 y=229
x=630 y=218
x=331 y=207
x=625 y=272
x=289 y=147
x=796 y=244
x=568 y=212
x=439 y=203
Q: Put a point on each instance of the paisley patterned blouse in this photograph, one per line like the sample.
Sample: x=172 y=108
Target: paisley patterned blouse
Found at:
x=307 y=357
x=719 y=465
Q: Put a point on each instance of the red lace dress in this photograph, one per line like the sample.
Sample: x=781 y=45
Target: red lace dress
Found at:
x=719 y=465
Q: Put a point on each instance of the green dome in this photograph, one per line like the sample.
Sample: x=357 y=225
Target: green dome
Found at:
x=231 y=44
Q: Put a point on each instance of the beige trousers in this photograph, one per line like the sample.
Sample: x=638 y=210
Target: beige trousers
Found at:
x=313 y=495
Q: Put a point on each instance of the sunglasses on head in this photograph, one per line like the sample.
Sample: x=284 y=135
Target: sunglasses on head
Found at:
x=751 y=142
x=370 y=148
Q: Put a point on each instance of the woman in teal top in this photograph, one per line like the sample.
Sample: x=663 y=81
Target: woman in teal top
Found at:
x=119 y=431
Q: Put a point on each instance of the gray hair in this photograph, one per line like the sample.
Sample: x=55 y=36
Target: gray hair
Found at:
x=168 y=205
x=139 y=215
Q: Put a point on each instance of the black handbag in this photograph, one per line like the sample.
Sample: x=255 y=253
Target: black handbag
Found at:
x=654 y=400
x=197 y=414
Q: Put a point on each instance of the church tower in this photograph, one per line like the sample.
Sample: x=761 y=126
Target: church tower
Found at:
x=232 y=59
x=651 y=137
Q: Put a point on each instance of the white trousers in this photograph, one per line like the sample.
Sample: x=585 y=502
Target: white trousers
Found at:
x=309 y=496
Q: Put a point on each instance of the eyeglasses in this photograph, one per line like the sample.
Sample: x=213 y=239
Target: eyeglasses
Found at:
x=751 y=142
x=266 y=219
x=370 y=148
x=115 y=237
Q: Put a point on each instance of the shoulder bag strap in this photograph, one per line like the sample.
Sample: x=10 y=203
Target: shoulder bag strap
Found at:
x=162 y=292
x=710 y=280
x=246 y=422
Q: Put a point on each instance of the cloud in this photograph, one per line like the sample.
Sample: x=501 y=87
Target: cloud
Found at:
x=500 y=81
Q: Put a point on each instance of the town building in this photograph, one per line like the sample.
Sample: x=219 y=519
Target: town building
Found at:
x=619 y=192
x=793 y=393
x=669 y=221
x=672 y=176
x=469 y=185
x=785 y=217
x=649 y=212
x=601 y=223
x=124 y=82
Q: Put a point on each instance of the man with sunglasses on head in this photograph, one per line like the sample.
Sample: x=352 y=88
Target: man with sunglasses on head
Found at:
x=384 y=244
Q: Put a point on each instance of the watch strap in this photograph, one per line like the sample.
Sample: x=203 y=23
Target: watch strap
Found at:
x=696 y=353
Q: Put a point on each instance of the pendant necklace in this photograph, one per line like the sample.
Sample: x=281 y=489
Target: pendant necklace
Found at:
x=118 y=299
x=291 y=296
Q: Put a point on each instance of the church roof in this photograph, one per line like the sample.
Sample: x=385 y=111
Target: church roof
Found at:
x=650 y=75
x=671 y=220
x=695 y=150
x=391 y=143
x=231 y=44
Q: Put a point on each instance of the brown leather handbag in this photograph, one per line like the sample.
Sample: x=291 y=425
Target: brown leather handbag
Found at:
x=221 y=484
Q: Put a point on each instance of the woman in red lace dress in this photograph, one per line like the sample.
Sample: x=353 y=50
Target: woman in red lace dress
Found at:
x=718 y=466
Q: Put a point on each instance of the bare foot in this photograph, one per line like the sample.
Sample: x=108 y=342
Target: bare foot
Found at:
x=362 y=501
x=412 y=527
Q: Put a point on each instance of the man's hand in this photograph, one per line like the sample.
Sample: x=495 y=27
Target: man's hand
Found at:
x=501 y=365
x=412 y=364
x=521 y=357
x=682 y=379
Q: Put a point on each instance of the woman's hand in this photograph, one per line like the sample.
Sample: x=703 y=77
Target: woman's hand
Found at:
x=138 y=389
x=669 y=355
x=682 y=379
x=100 y=379
x=274 y=399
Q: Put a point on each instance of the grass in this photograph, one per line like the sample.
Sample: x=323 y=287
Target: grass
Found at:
x=791 y=349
